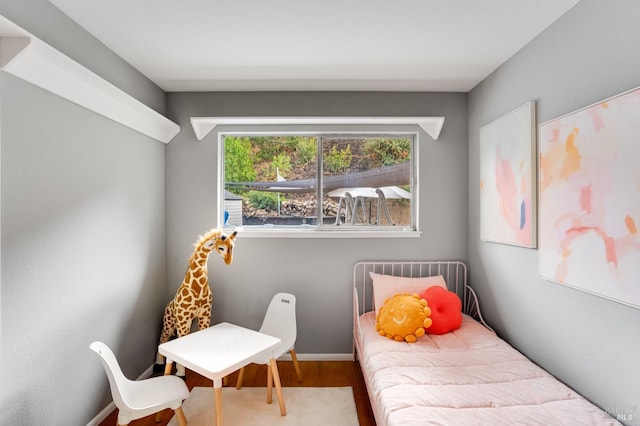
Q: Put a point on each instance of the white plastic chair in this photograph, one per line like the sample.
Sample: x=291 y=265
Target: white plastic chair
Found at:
x=137 y=399
x=279 y=321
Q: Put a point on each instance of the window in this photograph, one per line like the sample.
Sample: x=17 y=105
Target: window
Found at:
x=319 y=182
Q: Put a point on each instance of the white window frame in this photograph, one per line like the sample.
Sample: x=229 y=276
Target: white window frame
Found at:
x=326 y=231
x=428 y=127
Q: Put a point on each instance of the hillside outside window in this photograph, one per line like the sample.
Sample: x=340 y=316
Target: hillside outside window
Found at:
x=319 y=182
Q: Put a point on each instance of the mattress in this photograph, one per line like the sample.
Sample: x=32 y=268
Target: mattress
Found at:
x=466 y=377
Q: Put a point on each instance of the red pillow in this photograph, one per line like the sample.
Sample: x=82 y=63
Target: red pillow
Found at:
x=446 y=310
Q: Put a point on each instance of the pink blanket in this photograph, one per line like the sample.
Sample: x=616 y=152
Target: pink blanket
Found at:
x=467 y=377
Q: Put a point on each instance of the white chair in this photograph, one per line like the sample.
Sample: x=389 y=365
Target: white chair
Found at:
x=279 y=321
x=137 y=399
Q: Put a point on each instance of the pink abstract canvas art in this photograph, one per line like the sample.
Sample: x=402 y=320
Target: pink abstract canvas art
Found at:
x=507 y=178
x=589 y=195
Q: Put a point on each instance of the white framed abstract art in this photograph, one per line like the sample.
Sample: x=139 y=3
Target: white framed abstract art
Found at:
x=508 y=178
x=589 y=195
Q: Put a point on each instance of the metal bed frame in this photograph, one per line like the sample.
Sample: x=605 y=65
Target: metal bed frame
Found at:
x=453 y=271
x=455 y=274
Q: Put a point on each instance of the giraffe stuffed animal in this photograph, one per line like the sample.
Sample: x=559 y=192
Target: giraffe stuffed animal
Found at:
x=193 y=298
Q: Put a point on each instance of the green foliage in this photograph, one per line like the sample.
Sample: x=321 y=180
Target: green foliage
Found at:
x=385 y=152
x=306 y=151
x=337 y=161
x=264 y=200
x=281 y=162
x=292 y=142
x=268 y=147
x=238 y=161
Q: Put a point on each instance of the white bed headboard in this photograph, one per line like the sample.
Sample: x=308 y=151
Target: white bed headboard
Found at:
x=453 y=271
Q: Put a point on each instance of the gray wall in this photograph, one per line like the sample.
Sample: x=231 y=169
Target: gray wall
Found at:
x=588 y=342
x=83 y=240
x=318 y=271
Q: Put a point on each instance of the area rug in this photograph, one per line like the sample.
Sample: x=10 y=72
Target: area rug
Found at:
x=248 y=406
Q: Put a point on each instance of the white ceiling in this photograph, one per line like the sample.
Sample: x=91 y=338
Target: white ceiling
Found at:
x=378 y=45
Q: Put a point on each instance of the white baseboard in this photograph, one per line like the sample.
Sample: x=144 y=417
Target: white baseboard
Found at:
x=102 y=415
x=318 y=357
x=147 y=373
x=286 y=357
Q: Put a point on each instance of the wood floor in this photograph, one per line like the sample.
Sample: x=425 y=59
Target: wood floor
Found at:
x=315 y=374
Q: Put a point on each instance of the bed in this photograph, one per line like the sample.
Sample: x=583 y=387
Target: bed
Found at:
x=468 y=376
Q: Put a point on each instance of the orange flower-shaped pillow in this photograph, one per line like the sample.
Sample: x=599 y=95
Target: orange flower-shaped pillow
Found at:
x=403 y=317
x=446 y=310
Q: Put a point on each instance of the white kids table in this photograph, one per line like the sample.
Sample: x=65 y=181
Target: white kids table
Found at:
x=219 y=351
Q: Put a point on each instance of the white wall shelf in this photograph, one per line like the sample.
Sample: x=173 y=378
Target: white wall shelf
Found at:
x=29 y=58
x=203 y=125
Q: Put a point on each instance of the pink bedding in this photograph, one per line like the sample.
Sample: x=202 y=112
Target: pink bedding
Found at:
x=466 y=377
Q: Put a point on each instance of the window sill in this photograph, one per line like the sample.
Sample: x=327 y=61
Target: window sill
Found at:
x=327 y=233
